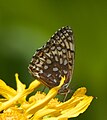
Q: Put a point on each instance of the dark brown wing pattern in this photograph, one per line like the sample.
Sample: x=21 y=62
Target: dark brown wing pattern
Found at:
x=55 y=59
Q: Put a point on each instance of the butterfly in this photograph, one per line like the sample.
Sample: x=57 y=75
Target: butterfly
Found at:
x=55 y=60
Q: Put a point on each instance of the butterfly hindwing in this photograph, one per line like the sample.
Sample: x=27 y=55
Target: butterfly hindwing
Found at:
x=55 y=59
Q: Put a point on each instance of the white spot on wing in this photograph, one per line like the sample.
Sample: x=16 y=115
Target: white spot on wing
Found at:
x=69 y=38
x=66 y=43
x=55 y=69
x=65 y=72
x=59 y=48
x=56 y=58
x=48 y=75
x=48 y=61
x=71 y=45
x=65 y=62
x=45 y=67
x=63 y=50
x=41 y=71
x=61 y=61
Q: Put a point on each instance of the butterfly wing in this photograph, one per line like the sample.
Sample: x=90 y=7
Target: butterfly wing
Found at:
x=55 y=59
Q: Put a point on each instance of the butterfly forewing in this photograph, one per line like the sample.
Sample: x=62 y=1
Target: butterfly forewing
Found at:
x=55 y=60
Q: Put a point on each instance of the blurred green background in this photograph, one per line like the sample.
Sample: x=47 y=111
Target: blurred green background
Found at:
x=26 y=25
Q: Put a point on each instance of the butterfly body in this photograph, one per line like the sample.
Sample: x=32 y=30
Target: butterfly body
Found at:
x=55 y=60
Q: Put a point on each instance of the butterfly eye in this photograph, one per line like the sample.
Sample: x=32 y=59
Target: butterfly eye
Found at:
x=55 y=59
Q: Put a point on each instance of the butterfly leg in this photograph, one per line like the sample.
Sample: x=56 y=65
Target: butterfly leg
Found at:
x=65 y=96
x=43 y=89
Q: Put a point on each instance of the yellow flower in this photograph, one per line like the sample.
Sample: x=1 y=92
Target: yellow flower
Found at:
x=14 y=106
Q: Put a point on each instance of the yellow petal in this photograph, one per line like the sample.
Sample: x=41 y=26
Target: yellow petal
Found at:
x=55 y=118
x=80 y=108
x=76 y=97
x=80 y=92
x=32 y=87
x=79 y=103
x=43 y=112
x=6 y=91
x=11 y=101
x=20 y=86
x=17 y=97
x=41 y=103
